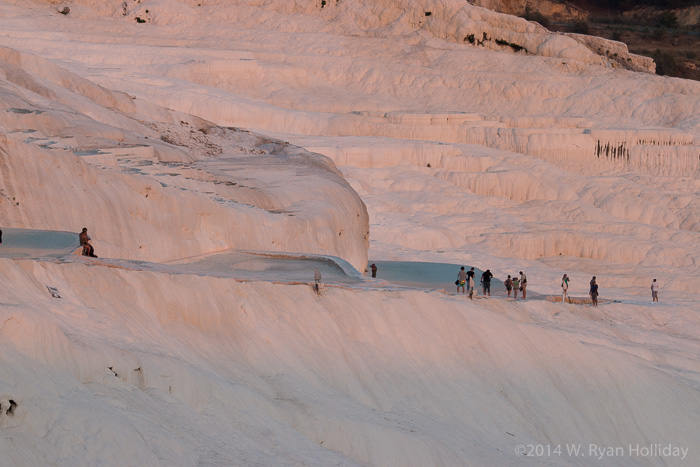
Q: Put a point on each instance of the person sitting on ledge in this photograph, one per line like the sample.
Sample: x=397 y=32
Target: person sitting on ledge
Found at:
x=88 y=250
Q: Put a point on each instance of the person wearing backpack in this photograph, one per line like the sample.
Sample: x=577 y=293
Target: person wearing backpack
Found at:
x=509 y=285
x=564 y=288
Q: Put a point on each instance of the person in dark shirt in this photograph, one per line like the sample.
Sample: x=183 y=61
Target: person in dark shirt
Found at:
x=486 y=282
x=594 y=292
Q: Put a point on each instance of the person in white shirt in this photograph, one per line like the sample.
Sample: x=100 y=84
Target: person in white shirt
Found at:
x=523 y=284
x=654 y=291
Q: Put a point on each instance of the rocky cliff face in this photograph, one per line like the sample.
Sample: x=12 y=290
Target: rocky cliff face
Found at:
x=558 y=10
x=686 y=17
x=550 y=9
x=615 y=53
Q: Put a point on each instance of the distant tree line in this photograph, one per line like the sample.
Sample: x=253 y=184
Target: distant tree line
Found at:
x=625 y=5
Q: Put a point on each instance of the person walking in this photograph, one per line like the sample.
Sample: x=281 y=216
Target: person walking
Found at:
x=523 y=284
x=461 y=279
x=486 y=282
x=654 y=291
x=564 y=288
x=594 y=292
x=470 y=273
x=471 y=277
x=516 y=287
x=509 y=285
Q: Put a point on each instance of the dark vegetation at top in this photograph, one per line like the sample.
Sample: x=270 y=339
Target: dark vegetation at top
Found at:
x=648 y=27
x=627 y=5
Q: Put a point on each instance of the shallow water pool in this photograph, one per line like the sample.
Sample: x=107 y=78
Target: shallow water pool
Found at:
x=424 y=275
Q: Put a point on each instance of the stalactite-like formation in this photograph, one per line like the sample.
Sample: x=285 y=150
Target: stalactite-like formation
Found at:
x=613 y=151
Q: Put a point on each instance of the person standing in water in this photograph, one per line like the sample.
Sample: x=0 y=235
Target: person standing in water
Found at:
x=564 y=288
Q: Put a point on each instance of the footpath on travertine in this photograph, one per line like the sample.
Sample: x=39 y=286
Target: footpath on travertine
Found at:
x=58 y=246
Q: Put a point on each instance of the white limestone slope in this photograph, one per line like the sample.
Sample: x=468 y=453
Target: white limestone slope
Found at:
x=198 y=370
x=549 y=162
x=156 y=185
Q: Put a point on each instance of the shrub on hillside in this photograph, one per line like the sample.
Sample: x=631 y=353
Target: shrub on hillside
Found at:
x=535 y=16
x=665 y=63
x=667 y=19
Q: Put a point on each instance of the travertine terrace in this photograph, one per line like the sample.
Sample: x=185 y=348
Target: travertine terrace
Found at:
x=344 y=131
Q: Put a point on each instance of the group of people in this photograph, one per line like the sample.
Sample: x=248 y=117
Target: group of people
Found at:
x=465 y=281
x=593 y=290
x=516 y=284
